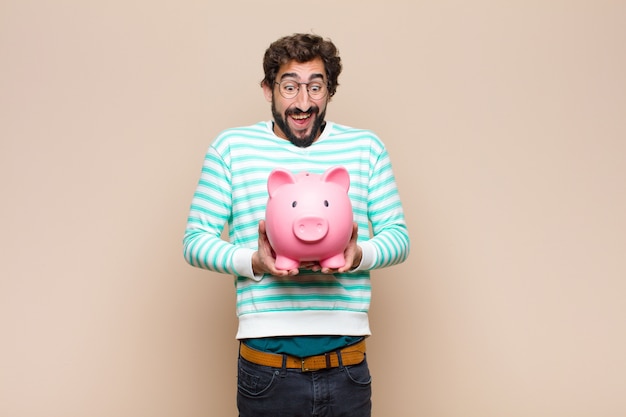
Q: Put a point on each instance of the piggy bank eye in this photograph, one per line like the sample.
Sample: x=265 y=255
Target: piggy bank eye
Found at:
x=326 y=204
x=295 y=203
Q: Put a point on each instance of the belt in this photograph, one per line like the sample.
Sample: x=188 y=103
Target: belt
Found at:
x=351 y=355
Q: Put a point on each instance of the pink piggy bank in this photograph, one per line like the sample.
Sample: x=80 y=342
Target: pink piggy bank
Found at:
x=309 y=217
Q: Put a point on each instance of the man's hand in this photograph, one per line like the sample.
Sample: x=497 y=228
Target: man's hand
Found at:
x=264 y=260
x=353 y=254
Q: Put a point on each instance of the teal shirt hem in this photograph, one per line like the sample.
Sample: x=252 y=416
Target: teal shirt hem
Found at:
x=302 y=346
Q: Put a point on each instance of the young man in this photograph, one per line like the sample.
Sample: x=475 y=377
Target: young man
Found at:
x=302 y=331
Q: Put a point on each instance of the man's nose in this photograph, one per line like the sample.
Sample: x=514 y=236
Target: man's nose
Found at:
x=303 y=99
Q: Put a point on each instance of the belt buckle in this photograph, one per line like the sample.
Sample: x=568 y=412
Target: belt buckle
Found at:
x=327 y=357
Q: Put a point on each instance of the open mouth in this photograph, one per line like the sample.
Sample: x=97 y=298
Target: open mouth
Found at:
x=301 y=116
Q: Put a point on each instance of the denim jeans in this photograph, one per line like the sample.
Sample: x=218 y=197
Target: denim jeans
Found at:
x=263 y=391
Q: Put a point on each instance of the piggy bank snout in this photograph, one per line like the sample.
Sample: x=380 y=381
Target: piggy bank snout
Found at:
x=310 y=228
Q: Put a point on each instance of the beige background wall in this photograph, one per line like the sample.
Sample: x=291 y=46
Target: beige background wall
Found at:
x=505 y=121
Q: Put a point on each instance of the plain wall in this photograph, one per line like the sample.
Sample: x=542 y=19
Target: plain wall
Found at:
x=505 y=122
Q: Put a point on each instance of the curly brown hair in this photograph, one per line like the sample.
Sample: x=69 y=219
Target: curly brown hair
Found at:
x=302 y=47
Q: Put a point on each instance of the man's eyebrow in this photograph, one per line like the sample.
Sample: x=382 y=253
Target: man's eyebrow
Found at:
x=294 y=75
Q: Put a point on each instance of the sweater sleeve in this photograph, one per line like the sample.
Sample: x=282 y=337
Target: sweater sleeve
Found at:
x=389 y=244
x=211 y=207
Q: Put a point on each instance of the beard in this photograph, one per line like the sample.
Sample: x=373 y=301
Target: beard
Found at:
x=300 y=141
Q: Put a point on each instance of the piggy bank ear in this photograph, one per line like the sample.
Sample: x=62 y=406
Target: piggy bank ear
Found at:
x=277 y=179
x=338 y=175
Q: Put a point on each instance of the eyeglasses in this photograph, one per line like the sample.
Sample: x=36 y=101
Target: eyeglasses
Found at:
x=290 y=89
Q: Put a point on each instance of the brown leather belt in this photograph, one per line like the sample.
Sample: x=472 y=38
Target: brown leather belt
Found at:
x=351 y=355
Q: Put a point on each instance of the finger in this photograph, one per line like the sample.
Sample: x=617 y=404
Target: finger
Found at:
x=283 y=272
x=355 y=231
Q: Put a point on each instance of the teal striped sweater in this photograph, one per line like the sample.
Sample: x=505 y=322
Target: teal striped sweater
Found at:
x=233 y=190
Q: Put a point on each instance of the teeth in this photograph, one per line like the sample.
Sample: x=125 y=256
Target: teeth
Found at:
x=301 y=116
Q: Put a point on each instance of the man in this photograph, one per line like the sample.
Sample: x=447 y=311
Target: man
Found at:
x=302 y=331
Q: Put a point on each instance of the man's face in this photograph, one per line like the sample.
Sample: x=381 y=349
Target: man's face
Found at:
x=298 y=119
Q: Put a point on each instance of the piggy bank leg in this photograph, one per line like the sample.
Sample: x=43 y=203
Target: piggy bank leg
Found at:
x=333 y=262
x=285 y=263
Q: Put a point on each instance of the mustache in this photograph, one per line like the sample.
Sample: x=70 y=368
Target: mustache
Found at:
x=313 y=110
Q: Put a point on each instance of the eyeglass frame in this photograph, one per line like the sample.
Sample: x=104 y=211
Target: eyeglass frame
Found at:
x=325 y=85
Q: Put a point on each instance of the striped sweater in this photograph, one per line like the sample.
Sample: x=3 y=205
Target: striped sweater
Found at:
x=233 y=190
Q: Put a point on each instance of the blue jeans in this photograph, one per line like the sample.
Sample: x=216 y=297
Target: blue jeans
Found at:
x=263 y=391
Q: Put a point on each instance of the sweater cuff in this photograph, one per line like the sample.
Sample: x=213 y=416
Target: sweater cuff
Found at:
x=242 y=260
x=368 y=257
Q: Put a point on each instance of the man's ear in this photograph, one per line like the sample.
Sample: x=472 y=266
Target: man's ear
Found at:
x=267 y=91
